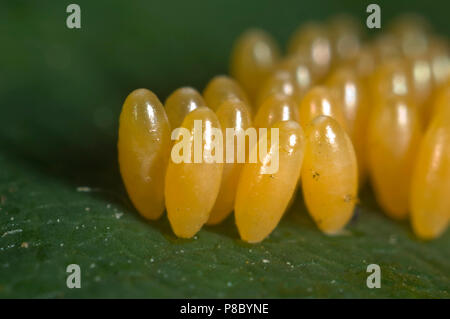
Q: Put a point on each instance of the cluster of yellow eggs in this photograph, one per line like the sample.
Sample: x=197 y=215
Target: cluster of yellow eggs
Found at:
x=347 y=111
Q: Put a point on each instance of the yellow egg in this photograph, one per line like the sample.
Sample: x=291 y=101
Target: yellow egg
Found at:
x=441 y=105
x=312 y=41
x=412 y=33
x=391 y=78
x=364 y=62
x=280 y=82
x=232 y=114
x=430 y=189
x=421 y=79
x=261 y=198
x=329 y=175
x=321 y=100
x=345 y=34
x=394 y=133
x=222 y=88
x=276 y=108
x=439 y=56
x=253 y=58
x=192 y=186
x=354 y=102
x=144 y=148
x=180 y=103
x=386 y=47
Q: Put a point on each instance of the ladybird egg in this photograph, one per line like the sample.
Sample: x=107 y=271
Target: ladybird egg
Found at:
x=293 y=76
x=312 y=41
x=391 y=78
x=280 y=82
x=430 y=187
x=181 y=102
x=412 y=33
x=232 y=114
x=441 y=105
x=192 y=184
x=262 y=198
x=276 y=108
x=253 y=58
x=354 y=102
x=345 y=34
x=386 y=47
x=300 y=68
x=420 y=72
x=364 y=62
x=320 y=100
x=222 y=88
x=144 y=148
x=329 y=175
x=439 y=56
x=394 y=133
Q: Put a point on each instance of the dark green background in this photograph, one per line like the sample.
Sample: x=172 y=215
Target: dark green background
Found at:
x=60 y=94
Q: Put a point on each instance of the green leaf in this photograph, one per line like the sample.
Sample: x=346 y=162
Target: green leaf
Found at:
x=61 y=198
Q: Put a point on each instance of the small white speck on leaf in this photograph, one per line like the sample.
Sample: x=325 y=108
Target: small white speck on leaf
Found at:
x=392 y=240
x=11 y=232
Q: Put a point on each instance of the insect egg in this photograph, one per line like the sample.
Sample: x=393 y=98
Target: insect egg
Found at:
x=263 y=198
x=180 y=103
x=222 y=88
x=329 y=174
x=232 y=114
x=192 y=184
x=394 y=134
x=276 y=108
x=144 y=148
x=254 y=56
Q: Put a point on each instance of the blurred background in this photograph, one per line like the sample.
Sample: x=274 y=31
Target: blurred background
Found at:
x=61 y=91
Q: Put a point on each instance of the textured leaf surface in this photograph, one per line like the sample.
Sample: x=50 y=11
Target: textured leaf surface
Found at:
x=61 y=198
